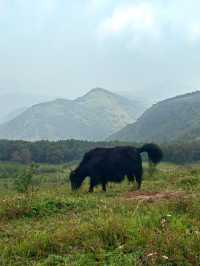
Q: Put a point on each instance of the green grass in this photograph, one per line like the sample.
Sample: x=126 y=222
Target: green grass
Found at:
x=53 y=226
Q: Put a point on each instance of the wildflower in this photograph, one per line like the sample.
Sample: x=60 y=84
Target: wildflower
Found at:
x=163 y=222
x=152 y=254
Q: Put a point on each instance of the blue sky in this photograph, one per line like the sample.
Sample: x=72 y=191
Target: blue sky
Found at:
x=64 y=48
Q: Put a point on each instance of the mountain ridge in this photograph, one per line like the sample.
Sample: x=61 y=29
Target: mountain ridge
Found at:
x=94 y=116
x=169 y=120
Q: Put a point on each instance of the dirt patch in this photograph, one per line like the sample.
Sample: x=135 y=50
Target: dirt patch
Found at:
x=153 y=196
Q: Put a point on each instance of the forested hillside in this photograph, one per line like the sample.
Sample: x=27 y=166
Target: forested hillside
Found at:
x=73 y=150
x=172 y=120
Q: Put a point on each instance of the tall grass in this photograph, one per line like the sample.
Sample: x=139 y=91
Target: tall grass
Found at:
x=57 y=227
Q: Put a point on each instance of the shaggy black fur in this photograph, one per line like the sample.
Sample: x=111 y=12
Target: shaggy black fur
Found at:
x=105 y=165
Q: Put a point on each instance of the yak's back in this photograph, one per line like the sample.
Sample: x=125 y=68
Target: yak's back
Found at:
x=93 y=154
x=109 y=155
x=121 y=155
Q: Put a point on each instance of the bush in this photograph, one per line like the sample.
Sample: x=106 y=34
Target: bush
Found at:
x=23 y=181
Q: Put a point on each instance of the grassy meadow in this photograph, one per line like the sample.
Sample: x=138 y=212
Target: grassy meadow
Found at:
x=50 y=225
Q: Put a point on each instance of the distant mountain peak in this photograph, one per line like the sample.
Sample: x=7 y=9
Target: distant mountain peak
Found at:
x=99 y=90
x=94 y=116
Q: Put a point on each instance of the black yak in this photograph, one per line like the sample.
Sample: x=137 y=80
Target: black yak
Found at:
x=103 y=165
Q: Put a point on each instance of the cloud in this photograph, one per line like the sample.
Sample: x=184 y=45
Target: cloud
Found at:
x=194 y=32
x=136 y=18
x=172 y=21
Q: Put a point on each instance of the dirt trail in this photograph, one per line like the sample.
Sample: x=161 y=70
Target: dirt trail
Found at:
x=152 y=196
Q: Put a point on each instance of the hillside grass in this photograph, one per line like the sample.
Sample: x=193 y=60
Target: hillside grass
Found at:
x=53 y=226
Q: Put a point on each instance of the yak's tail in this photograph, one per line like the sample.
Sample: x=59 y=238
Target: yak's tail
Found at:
x=154 y=152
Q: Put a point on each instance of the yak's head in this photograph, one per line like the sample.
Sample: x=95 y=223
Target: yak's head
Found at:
x=76 y=179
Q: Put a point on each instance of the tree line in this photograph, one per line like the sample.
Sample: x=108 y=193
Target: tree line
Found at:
x=73 y=150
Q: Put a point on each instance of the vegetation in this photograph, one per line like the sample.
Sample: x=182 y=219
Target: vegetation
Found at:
x=23 y=181
x=73 y=150
x=58 y=227
x=169 y=120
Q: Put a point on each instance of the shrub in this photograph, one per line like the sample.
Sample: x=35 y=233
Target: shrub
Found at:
x=23 y=181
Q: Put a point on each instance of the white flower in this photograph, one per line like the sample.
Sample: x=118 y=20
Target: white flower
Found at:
x=152 y=254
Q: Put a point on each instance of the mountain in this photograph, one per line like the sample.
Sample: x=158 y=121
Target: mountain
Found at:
x=93 y=116
x=142 y=98
x=170 y=120
x=12 y=115
x=13 y=103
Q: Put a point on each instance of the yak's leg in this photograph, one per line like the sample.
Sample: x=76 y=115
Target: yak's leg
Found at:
x=131 y=179
x=138 y=177
x=91 y=188
x=103 y=183
x=139 y=182
x=104 y=186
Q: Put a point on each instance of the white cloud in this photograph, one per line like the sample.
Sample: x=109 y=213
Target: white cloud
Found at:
x=194 y=32
x=139 y=18
x=153 y=20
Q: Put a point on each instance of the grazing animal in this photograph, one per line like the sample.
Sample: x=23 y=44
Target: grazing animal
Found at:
x=103 y=165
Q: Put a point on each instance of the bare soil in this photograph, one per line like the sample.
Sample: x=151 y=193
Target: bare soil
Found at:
x=152 y=196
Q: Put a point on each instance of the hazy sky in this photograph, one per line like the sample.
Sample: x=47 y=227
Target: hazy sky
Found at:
x=66 y=47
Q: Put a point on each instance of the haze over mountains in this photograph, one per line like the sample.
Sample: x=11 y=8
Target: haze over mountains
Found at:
x=14 y=103
x=94 y=116
x=174 y=119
